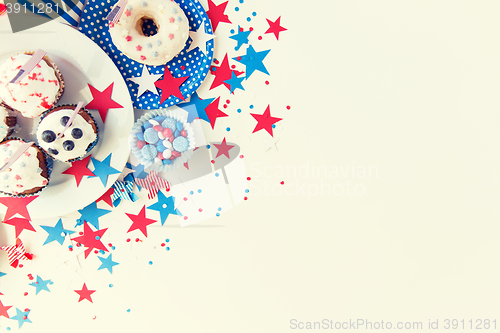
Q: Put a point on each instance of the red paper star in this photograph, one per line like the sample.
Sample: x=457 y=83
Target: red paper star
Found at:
x=140 y=221
x=20 y=224
x=170 y=85
x=216 y=13
x=17 y=205
x=223 y=148
x=186 y=165
x=16 y=252
x=91 y=239
x=85 y=293
x=79 y=169
x=106 y=197
x=265 y=121
x=213 y=112
x=223 y=73
x=275 y=28
x=3 y=310
x=102 y=101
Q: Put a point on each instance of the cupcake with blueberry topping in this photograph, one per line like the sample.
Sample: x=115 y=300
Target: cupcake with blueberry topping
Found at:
x=79 y=139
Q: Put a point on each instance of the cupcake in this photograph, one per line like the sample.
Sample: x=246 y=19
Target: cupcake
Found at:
x=162 y=140
x=28 y=175
x=36 y=92
x=80 y=137
x=7 y=122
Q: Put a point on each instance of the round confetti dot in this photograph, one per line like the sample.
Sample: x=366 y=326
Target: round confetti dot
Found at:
x=236 y=9
x=225 y=106
x=216 y=61
x=97 y=237
x=228 y=101
x=208 y=146
x=219 y=209
x=254 y=14
x=168 y=249
x=245 y=198
x=248 y=178
x=25 y=293
x=267 y=82
x=191 y=192
x=167 y=240
x=251 y=106
x=273 y=126
x=288 y=107
x=113 y=247
x=218 y=214
x=200 y=210
x=185 y=199
x=199 y=191
x=128 y=310
x=164 y=206
x=228 y=129
x=216 y=174
x=246 y=191
x=239 y=110
x=111 y=285
x=241 y=1
x=185 y=217
x=282 y=182
x=249 y=19
x=241 y=156
x=150 y=262
x=259 y=38
x=128 y=240
x=232 y=31
x=251 y=29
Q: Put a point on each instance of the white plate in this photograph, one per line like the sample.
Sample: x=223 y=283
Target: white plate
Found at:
x=80 y=61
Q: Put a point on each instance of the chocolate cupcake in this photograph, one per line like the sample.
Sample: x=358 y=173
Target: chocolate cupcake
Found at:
x=7 y=122
x=80 y=137
x=28 y=174
x=36 y=92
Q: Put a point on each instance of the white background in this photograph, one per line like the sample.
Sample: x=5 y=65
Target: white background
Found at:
x=410 y=88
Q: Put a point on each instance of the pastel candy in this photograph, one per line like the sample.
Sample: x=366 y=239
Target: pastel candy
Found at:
x=140 y=144
x=177 y=133
x=147 y=125
x=140 y=136
x=158 y=128
x=167 y=153
x=161 y=136
x=167 y=132
x=167 y=144
x=159 y=119
x=151 y=136
x=154 y=122
x=148 y=152
x=179 y=126
x=181 y=144
x=169 y=123
x=160 y=147
x=168 y=162
x=171 y=139
x=160 y=156
x=176 y=154
x=183 y=133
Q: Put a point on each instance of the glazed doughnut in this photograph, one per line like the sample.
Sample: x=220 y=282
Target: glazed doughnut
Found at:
x=158 y=49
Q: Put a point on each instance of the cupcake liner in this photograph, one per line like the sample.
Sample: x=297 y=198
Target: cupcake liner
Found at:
x=89 y=147
x=8 y=124
x=158 y=166
x=48 y=167
x=59 y=76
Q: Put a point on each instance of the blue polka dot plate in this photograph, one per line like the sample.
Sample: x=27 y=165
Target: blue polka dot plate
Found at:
x=194 y=63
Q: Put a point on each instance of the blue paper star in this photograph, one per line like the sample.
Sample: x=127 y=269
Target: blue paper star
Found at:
x=102 y=169
x=241 y=37
x=253 y=61
x=20 y=317
x=139 y=171
x=56 y=233
x=40 y=284
x=107 y=263
x=91 y=214
x=165 y=206
x=2 y=274
x=235 y=82
x=196 y=107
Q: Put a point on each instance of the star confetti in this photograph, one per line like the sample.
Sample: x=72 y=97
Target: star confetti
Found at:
x=16 y=253
x=235 y=83
x=106 y=197
x=21 y=317
x=107 y=263
x=91 y=214
x=102 y=101
x=17 y=205
x=275 y=28
x=4 y=309
x=20 y=224
x=139 y=172
x=216 y=13
x=79 y=169
x=223 y=148
x=170 y=86
x=222 y=73
x=213 y=112
x=196 y=107
x=165 y=206
x=153 y=182
x=241 y=37
x=265 y=121
x=85 y=293
x=140 y=221
x=146 y=81
x=41 y=284
x=253 y=61
x=56 y=233
x=271 y=143
x=102 y=169
x=200 y=39
x=91 y=239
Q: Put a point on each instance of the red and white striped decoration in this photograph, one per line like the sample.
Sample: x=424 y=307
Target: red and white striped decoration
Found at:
x=16 y=253
x=153 y=182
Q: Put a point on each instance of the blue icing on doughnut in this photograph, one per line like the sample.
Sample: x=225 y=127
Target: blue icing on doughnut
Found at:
x=168 y=162
x=140 y=136
x=151 y=136
x=148 y=152
x=147 y=125
x=179 y=126
x=169 y=123
x=180 y=144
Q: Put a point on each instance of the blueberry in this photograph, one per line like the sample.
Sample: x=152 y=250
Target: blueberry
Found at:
x=48 y=136
x=68 y=145
x=64 y=120
x=53 y=151
x=76 y=133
